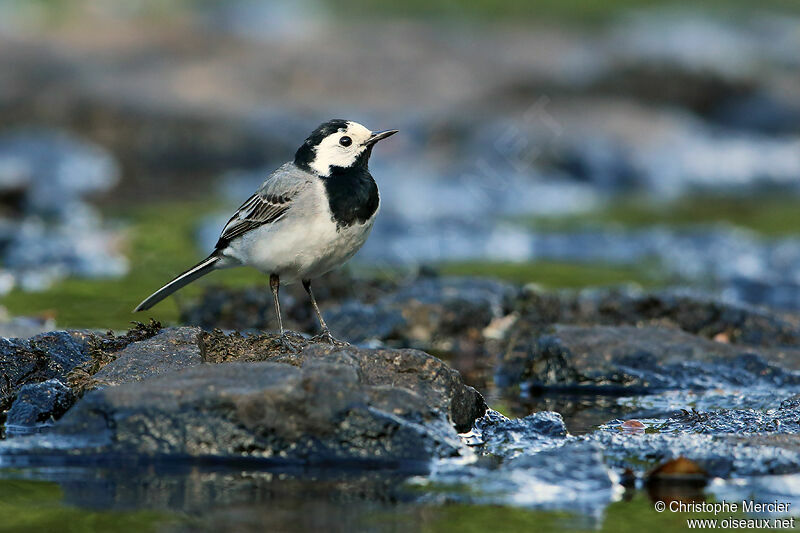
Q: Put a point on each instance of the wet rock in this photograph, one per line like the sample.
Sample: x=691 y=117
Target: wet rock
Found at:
x=430 y=311
x=317 y=413
x=43 y=357
x=243 y=309
x=442 y=315
x=364 y=323
x=576 y=468
x=321 y=405
x=719 y=455
x=507 y=438
x=696 y=314
x=251 y=309
x=419 y=310
x=724 y=443
x=38 y=403
x=103 y=349
x=626 y=359
x=431 y=379
x=662 y=405
x=471 y=321
x=571 y=475
x=784 y=419
x=172 y=349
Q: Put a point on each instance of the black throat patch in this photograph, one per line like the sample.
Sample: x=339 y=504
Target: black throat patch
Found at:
x=352 y=194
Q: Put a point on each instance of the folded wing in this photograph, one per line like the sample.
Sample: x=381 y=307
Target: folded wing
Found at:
x=272 y=201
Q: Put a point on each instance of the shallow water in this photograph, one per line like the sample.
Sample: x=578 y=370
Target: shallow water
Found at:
x=200 y=496
x=207 y=498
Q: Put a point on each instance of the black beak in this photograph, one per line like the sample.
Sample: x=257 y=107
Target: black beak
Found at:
x=379 y=135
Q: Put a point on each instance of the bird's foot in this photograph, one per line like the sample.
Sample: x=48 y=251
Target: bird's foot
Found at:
x=288 y=341
x=326 y=336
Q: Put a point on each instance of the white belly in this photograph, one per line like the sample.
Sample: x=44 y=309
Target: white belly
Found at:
x=297 y=248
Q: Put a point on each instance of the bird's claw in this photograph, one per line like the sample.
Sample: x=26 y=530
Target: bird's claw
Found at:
x=326 y=336
x=285 y=341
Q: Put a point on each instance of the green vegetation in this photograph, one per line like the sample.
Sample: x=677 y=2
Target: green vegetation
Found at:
x=769 y=215
x=477 y=10
x=555 y=274
x=579 y=10
x=35 y=506
x=161 y=246
x=629 y=515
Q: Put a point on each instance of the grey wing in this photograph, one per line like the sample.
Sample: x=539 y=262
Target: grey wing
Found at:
x=272 y=201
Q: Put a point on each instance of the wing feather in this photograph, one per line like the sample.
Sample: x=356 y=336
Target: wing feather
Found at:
x=272 y=201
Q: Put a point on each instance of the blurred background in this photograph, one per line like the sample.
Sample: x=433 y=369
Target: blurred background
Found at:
x=569 y=144
x=563 y=142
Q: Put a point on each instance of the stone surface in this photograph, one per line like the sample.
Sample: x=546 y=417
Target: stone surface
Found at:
x=628 y=359
x=441 y=315
x=324 y=404
x=566 y=471
x=438 y=385
x=251 y=308
x=695 y=314
x=172 y=349
x=503 y=437
x=785 y=419
x=39 y=403
x=40 y=358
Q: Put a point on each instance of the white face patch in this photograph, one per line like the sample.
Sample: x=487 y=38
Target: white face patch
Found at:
x=333 y=152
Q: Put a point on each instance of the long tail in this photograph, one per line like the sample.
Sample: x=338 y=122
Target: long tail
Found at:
x=200 y=269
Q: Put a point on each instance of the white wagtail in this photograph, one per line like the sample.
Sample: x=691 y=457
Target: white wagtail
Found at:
x=307 y=218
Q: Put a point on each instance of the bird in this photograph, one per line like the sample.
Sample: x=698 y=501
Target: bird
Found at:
x=307 y=218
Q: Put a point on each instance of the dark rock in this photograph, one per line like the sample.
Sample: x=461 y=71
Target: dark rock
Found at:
x=320 y=405
x=437 y=384
x=572 y=463
x=760 y=112
x=741 y=324
x=317 y=413
x=791 y=403
x=103 y=349
x=723 y=442
x=366 y=322
x=569 y=474
x=422 y=311
x=38 y=403
x=251 y=309
x=172 y=349
x=625 y=359
x=508 y=437
x=40 y=358
x=451 y=306
x=784 y=419
x=719 y=455
x=445 y=316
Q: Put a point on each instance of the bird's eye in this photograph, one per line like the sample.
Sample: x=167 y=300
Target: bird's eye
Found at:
x=345 y=141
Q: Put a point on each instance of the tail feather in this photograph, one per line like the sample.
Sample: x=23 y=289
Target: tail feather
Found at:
x=200 y=269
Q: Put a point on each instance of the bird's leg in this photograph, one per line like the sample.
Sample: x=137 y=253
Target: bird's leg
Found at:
x=325 y=334
x=274 y=285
